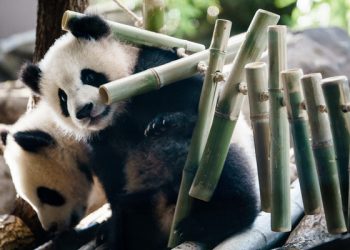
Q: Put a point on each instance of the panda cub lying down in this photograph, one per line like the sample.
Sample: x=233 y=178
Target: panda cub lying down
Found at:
x=139 y=146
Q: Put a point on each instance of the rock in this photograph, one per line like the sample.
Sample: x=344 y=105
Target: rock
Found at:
x=310 y=232
x=323 y=50
x=13 y=101
x=7 y=190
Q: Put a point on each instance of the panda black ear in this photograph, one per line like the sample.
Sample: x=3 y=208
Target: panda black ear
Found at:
x=89 y=27
x=30 y=76
x=33 y=140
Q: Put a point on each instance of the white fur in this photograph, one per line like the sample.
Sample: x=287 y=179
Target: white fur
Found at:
x=61 y=68
x=54 y=167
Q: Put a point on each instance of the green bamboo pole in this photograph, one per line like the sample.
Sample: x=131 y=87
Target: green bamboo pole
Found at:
x=155 y=78
x=324 y=154
x=279 y=131
x=139 y=36
x=256 y=78
x=228 y=108
x=302 y=147
x=153 y=15
x=208 y=99
x=336 y=93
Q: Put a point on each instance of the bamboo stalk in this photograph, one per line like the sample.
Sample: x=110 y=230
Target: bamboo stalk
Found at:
x=324 y=154
x=153 y=15
x=139 y=36
x=228 y=108
x=336 y=93
x=302 y=147
x=155 y=78
x=279 y=132
x=208 y=99
x=256 y=78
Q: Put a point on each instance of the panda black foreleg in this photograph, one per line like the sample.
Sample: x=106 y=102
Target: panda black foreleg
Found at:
x=134 y=223
x=232 y=208
x=176 y=122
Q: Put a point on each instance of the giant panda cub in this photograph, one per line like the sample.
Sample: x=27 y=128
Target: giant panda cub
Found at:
x=49 y=169
x=139 y=145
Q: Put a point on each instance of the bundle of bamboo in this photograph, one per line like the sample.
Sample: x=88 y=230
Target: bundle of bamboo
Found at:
x=324 y=154
x=302 y=148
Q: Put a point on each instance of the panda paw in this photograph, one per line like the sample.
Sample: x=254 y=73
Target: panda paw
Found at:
x=159 y=125
x=177 y=122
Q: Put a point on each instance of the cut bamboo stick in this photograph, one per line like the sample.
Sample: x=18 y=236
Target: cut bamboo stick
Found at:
x=324 y=154
x=153 y=15
x=279 y=131
x=336 y=93
x=155 y=78
x=208 y=99
x=256 y=78
x=139 y=36
x=228 y=108
x=302 y=147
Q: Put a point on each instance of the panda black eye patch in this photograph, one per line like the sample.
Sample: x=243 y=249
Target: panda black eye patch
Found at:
x=93 y=78
x=62 y=96
x=50 y=196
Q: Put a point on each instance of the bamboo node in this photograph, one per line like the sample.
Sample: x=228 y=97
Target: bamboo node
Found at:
x=202 y=67
x=303 y=105
x=264 y=96
x=219 y=77
x=230 y=117
x=345 y=107
x=159 y=82
x=242 y=88
x=181 y=52
x=322 y=144
x=322 y=108
x=258 y=117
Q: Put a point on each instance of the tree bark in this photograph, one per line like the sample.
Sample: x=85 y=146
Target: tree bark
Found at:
x=48 y=26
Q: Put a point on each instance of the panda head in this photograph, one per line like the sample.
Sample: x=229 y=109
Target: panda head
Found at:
x=70 y=73
x=49 y=170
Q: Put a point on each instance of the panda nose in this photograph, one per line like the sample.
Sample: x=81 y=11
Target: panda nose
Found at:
x=84 y=111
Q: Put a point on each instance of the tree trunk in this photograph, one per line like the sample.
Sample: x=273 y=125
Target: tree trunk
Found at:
x=48 y=25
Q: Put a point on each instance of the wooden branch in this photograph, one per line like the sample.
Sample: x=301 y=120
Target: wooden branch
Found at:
x=14 y=234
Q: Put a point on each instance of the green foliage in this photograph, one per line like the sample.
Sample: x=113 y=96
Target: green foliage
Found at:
x=185 y=16
x=312 y=13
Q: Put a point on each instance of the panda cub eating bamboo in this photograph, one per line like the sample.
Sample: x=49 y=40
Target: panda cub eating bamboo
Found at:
x=139 y=146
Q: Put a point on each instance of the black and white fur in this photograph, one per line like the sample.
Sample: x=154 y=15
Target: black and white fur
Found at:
x=49 y=170
x=139 y=145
